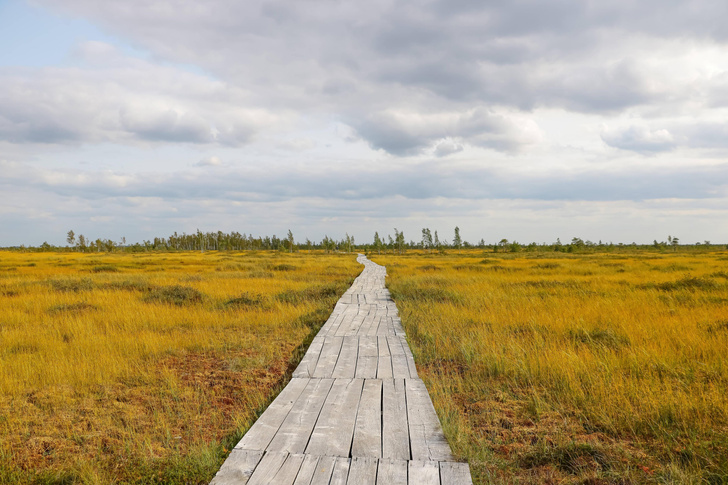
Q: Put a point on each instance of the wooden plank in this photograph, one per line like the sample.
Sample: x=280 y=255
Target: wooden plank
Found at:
x=307 y=470
x=264 y=429
x=362 y=471
x=341 y=471
x=455 y=473
x=346 y=365
x=392 y=472
x=310 y=359
x=334 y=429
x=395 y=430
x=368 y=428
x=324 y=469
x=424 y=472
x=384 y=364
x=329 y=355
x=366 y=365
x=288 y=471
x=410 y=359
x=376 y=323
x=238 y=467
x=334 y=326
x=400 y=369
x=385 y=327
x=268 y=467
x=346 y=322
x=427 y=441
x=367 y=321
x=296 y=428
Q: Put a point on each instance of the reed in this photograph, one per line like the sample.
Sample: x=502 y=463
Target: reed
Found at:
x=148 y=368
x=599 y=368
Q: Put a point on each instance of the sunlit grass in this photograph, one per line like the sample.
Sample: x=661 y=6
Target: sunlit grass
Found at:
x=606 y=368
x=144 y=368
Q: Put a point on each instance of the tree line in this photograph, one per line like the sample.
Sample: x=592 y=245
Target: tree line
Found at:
x=429 y=241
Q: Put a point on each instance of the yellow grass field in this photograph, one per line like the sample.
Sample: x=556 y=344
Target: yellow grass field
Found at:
x=147 y=368
x=560 y=368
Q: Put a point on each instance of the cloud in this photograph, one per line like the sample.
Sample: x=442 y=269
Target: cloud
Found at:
x=409 y=133
x=126 y=101
x=212 y=161
x=425 y=180
x=639 y=139
x=447 y=147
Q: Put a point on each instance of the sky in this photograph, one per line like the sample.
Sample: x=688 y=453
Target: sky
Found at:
x=518 y=119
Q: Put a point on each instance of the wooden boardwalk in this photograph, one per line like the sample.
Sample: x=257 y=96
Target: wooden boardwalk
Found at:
x=355 y=411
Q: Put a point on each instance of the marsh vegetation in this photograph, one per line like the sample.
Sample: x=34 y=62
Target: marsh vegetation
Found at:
x=147 y=368
x=563 y=368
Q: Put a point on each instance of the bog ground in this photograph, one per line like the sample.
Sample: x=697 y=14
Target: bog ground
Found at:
x=543 y=367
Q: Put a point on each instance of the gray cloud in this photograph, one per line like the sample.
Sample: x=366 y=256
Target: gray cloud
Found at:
x=408 y=133
x=353 y=63
x=122 y=103
x=640 y=139
x=420 y=181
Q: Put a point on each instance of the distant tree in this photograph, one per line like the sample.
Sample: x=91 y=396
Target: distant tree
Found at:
x=377 y=243
x=71 y=238
x=674 y=241
x=399 y=241
x=82 y=243
x=457 y=242
x=426 y=238
x=290 y=241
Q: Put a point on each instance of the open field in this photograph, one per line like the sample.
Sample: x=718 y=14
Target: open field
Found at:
x=560 y=368
x=147 y=368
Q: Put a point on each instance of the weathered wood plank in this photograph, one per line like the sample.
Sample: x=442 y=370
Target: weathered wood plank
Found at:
x=347 y=322
x=362 y=471
x=346 y=365
x=324 y=469
x=298 y=425
x=395 y=430
x=238 y=467
x=426 y=438
x=400 y=369
x=366 y=365
x=384 y=364
x=341 y=471
x=410 y=359
x=264 y=429
x=307 y=470
x=329 y=355
x=334 y=429
x=392 y=472
x=268 y=467
x=288 y=471
x=424 y=472
x=308 y=364
x=368 y=428
x=455 y=473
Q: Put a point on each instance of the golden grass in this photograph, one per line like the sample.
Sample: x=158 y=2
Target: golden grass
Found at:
x=146 y=368
x=601 y=368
